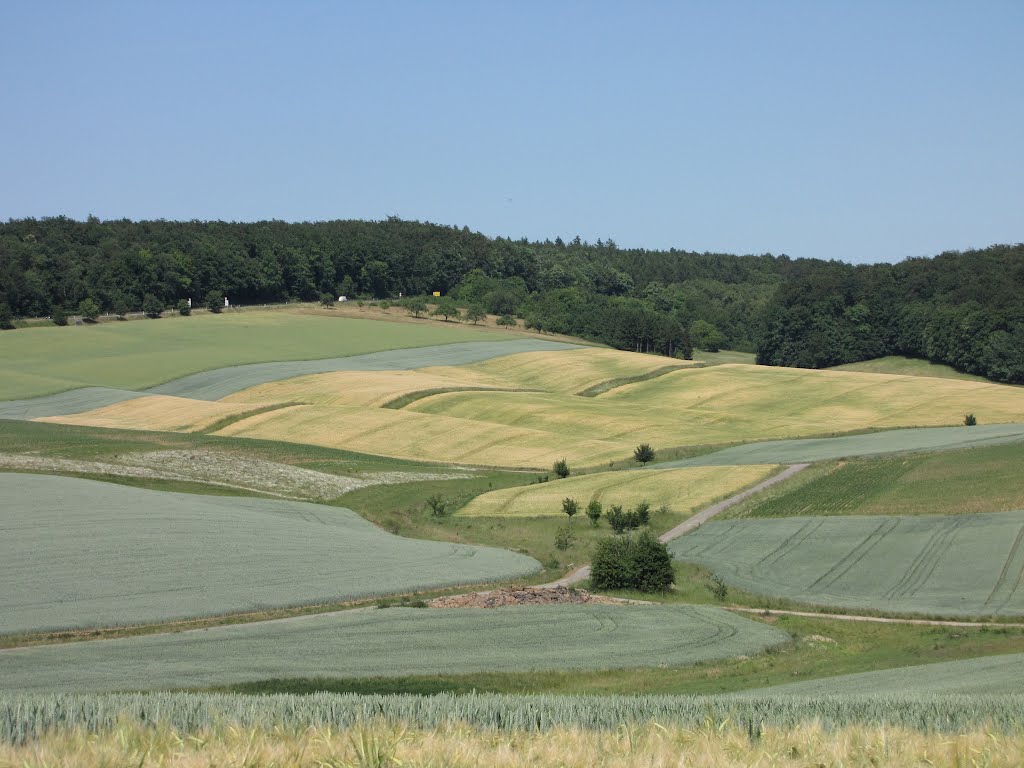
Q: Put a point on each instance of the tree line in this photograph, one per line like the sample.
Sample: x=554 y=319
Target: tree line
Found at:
x=958 y=308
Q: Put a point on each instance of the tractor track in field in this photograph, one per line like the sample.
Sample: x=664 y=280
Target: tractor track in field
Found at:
x=766 y=612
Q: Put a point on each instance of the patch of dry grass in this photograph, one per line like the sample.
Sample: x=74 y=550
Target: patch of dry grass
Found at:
x=681 y=490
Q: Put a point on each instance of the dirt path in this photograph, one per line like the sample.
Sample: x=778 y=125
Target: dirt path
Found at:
x=583 y=572
x=875 y=619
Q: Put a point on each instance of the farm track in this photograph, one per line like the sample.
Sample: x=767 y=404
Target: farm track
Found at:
x=875 y=619
x=583 y=572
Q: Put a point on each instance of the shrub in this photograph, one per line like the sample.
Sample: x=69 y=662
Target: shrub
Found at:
x=438 y=505
x=638 y=562
x=643 y=512
x=565 y=538
x=184 y=308
x=6 y=317
x=570 y=506
x=643 y=454
x=59 y=316
x=152 y=306
x=385 y=306
x=561 y=468
x=970 y=420
x=594 y=511
x=89 y=309
x=327 y=300
x=507 y=320
x=214 y=302
x=718 y=588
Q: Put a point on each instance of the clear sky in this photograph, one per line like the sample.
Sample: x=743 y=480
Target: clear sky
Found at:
x=863 y=131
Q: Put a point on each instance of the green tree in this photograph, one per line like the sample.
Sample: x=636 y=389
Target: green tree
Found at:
x=594 y=512
x=706 y=336
x=415 y=306
x=446 y=307
x=561 y=468
x=6 y=317
x=643 y=454
x=476 y=313
x=214 y=301
x=327 y=300
x=643 y=512
x=119 y=305
x=507 y=320
x=570 y=506
x=564 y=538
x=89 y=309
x=59 y=315
x=639 y=562
x=438 y=505
x=152 y=306
x=184 y=308
x=970 y=420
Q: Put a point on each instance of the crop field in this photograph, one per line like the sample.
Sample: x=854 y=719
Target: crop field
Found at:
x=982 y=676
x=927 y=439
x=139 y=354
x=80 y=553
x=956 y=565
x=907 y=366
x=402 y=434
x=681 y=490
x=728 y=403
x=986 y=479
x=396 y=641
x=156 y=412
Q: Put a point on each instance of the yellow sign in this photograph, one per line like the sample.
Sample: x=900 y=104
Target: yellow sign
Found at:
x=437 y=293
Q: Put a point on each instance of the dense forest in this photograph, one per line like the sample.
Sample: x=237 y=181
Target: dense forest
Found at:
x=963 y=309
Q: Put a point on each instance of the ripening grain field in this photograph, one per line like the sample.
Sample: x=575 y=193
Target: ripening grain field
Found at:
x=681 y=490
x=395 y=642
x=955 y=565
x=81 y=553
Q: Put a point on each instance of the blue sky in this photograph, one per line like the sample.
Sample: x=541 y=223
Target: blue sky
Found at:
x=863 y=131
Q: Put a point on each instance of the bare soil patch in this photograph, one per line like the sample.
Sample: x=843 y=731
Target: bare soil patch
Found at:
x=522 y=596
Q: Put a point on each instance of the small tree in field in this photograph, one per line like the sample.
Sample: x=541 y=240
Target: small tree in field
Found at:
x=59 y=315
x=327 y=300
x=643 y=512
x=638 y=562
x=214 y=302
x=570 y=506
x=970 y=420
x=594 y=511
x=120 y=306
x=475 y=314
x=415 y=306
x=643 y=454
x=446 y=308
x=89 y=310
x=152 y=306
x=507 y=320
x=561 y=468
x=438 y=505
x=184 y=308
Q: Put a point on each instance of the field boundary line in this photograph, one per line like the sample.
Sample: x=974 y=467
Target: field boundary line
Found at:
x=875 y=619
x=583 y=572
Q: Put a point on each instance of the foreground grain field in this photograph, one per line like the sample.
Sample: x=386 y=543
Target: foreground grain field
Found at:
x=81 y=553
x=983 y=676
x=718 y=742
x=396 y=641
x=140 y=354
x=681 y=490
x=960 y=565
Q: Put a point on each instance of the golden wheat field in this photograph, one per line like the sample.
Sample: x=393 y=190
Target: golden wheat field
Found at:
x=681 y=490
x=522 y=411
x=157 y=412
